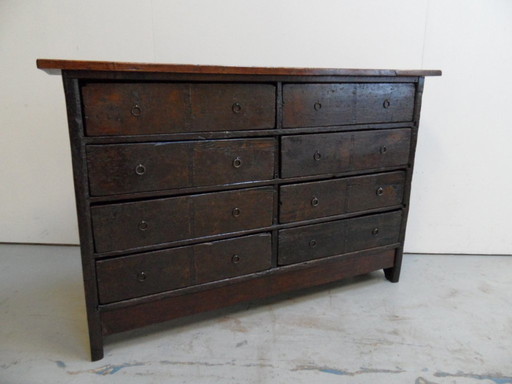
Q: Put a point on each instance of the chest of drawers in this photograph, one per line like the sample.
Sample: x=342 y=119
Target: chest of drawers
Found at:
x=200 y=187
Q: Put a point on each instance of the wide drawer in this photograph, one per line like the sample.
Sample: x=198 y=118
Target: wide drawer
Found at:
x=346 y=103
x=137 y=224
x=152 y=108
x=338 y=237
x=153 y=272
x=334 y=197
x=125 y=168
x=331 y=153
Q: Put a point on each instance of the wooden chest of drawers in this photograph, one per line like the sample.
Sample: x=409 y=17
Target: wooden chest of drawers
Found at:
x=201 y=187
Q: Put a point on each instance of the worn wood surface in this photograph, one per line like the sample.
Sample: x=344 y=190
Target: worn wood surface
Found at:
x=338 y=104
x=135 y=224
x=89 y=65
x=338 y=237
x=129 y=168
x=155 y=108
x=119 y=318
x=329 y=153
x=143 y=274
x=304 y=201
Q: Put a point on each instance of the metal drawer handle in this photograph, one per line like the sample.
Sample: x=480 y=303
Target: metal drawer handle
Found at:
x=237 y=163
x=236 y=108
x=386 y=104
x=143 y=226
x=375 y=231
x=383 y=149
x=380 y=191
x=235 y=259
x=317 y=106
x=312 y=243
x=315 y=202
x=236 y=212
x=317 y=156
x=140 y=169
x=141 y=276
x=136 y=110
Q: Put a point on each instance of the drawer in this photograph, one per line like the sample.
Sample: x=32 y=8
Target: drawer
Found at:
x=337 y=237
x=126 y=168
x=153 y=272
x=153 y=108
x=346 y=103
x=317 y=199
x=142 y=223
x=331 y=153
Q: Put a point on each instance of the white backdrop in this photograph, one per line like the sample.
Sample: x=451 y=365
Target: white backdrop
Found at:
x=462 y=188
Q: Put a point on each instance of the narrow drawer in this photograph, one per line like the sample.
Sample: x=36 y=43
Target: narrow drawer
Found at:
x=346 y=103
x=317 y=199
x=153 y=108
x=337 y=237
x=126 y=168
x=137 y=224
x=331 y=153
x=153 y=272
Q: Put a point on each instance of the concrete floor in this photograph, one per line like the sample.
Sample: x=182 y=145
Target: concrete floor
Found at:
x=449 y=320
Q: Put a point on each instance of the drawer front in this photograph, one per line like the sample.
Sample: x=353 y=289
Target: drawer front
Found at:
x=348 y=103
x=153 y=108
x=337 y=237
x=126 y=168
x=153 y=272
x=317 y=199
x=331 y=153
x=137 y=224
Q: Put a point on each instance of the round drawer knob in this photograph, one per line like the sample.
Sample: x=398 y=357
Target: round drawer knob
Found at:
x=315 y=202
x=383 y=149
x=141 y=276
x=386 y=104
x=143 y=226
x=317 y=106
x=237 y=163
x=375 y=231
x=235 y=212
x=235 y=259
x=380 y=191
x=317 y=156
x=312 y=243
x=136 y=110
x=236 y=108
x=140 y=169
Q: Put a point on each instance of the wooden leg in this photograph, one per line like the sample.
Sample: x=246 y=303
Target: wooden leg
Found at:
x=95 y=339
x=393 y=273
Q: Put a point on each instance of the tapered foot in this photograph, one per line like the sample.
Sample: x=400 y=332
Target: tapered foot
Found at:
x=392 y=274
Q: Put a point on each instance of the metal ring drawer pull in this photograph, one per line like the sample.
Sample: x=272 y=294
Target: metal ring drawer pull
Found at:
x=136 y=110
x=143 y=226
x=375 y=231
x=236 y=212
x=317 y=156
x=386 y=104
x=235 y=259
x=315 y=202
x=312 y=243
x=380 y=191
x=317 y=106
x=140 y=169
x=383 y=149
x=141 y=276
x=237 y=163
x=236 y=108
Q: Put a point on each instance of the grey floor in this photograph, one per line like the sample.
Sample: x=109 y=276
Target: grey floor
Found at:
x=449 y=320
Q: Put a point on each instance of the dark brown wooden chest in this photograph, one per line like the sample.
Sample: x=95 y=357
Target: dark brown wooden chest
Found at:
x=201 y=187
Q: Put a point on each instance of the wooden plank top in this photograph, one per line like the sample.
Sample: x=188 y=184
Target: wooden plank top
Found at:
x=80 y=65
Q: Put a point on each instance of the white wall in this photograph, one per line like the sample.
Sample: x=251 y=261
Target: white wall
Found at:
x=461 y=192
